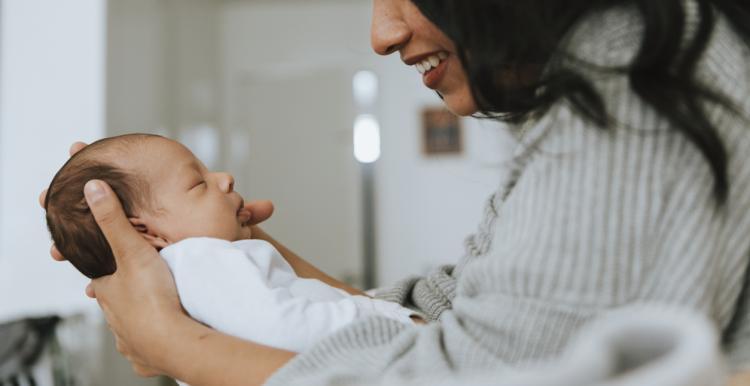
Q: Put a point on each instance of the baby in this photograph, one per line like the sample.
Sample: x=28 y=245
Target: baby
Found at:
x=196 y=220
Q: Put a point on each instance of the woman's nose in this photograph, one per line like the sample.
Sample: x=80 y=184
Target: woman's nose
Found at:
x=226 y=182
x=389 y=31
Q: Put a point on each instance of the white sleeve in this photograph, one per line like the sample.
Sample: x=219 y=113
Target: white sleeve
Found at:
x=221 y=286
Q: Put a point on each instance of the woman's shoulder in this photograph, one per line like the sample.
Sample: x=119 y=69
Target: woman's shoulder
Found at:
x=605 y=37
x=611 y=38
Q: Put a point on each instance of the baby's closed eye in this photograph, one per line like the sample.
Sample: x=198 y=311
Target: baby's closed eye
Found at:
x=198 y=185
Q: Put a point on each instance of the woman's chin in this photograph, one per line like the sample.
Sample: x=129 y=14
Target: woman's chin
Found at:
x=461 y=105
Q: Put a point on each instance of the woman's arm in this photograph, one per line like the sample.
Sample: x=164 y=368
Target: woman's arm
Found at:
x=201 y=356
x=301 y=267
x=740 y=379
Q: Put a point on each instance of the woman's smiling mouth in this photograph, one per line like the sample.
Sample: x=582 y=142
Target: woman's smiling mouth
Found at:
x=432 y=68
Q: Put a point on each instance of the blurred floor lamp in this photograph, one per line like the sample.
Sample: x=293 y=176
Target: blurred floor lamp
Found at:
x=367 y=151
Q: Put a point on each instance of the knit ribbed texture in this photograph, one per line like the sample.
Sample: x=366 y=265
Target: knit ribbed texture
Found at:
x=590 y=220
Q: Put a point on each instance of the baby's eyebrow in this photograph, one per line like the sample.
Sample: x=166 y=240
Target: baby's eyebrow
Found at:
x=192 y=165
x=186 y=173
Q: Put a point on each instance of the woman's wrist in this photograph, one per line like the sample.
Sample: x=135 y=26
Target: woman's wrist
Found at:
x=259 y=234
x=165 y=351
x=179 y=347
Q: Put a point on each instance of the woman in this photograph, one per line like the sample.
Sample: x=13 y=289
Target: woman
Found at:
x=631 y=188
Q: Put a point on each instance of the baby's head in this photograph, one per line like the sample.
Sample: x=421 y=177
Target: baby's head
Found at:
x=165 y=191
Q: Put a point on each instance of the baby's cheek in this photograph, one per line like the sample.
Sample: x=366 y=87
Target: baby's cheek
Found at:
x=225 y=230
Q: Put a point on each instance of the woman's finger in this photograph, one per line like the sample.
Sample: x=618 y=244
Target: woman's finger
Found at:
x=76 y=147
x=125 y=241
x=260 y=210
x=55 y=253
x=43 y=198
x=90 y=291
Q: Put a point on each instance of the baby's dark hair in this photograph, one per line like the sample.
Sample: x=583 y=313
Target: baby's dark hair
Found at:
x=71 y=224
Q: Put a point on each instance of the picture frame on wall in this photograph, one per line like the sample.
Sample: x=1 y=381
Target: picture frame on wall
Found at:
x=441 y=132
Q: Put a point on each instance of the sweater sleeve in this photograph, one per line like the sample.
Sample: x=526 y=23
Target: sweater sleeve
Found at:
x=429 y=295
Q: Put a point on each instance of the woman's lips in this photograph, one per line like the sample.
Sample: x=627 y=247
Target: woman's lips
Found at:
x=432 y=67
x=433 y=77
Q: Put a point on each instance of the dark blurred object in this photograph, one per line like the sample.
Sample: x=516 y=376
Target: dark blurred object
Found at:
x=22 y=343
x=441 y=132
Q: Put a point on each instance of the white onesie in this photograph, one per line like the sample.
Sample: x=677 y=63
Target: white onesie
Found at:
x=248 y=290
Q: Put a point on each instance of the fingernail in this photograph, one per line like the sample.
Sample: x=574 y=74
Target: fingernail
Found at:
x=93 y=191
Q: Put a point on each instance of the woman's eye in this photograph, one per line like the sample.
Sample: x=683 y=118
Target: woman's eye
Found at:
x=198 y=185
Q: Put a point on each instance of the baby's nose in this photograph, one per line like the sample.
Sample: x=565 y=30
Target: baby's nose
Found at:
x=227 y=182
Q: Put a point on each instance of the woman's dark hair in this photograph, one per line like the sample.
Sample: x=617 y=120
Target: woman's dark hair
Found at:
x=508 y=48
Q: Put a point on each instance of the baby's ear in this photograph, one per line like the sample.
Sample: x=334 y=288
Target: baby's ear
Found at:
x=155 y=240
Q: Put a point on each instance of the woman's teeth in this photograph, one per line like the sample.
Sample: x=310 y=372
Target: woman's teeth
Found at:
x=431 y=62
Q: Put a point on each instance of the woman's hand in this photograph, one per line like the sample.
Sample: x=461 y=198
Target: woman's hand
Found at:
x=139 y=300
x=740 y=379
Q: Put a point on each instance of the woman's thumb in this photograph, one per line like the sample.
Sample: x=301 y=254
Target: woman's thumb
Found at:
x=107 y=210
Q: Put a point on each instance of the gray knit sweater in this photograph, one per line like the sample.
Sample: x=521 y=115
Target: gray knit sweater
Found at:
x=589 y=221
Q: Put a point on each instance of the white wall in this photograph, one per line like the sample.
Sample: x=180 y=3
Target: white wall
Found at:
x=52 y=92
x=138 y=74
x=163 y=63
x=288 y=114
x=426 y=207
